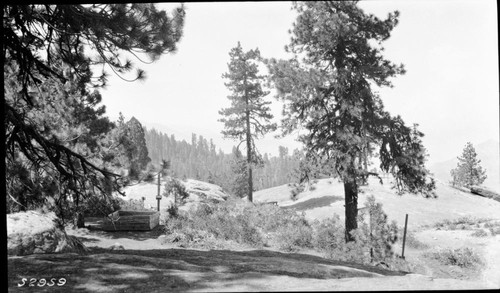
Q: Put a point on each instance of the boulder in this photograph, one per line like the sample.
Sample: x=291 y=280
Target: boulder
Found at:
x=34 y=232
x=203 y=191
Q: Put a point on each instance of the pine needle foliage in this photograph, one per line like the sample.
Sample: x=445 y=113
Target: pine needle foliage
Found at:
x=468 y=171
x=328 y=90
x=249 y=116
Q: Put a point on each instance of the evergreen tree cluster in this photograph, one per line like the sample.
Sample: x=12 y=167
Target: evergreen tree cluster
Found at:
x=200 y=160
x=197 y=160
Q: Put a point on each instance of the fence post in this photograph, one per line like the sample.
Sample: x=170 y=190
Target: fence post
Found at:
x=404 y=237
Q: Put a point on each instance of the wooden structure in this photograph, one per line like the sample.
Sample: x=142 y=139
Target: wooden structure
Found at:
x=131 y=221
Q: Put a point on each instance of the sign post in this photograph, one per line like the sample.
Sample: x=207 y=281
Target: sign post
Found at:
x=404 y=237
x=158 y=197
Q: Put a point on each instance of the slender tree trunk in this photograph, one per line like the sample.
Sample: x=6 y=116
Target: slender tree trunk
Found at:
x=249 y=158
x=351 y=208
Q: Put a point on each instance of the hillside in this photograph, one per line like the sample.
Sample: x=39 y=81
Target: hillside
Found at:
x=489 y=154
x=327 y=199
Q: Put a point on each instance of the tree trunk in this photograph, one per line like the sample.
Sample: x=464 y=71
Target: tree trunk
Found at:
x=249 y=160
x=351 y=208
x=79 y=220
x=249 y=145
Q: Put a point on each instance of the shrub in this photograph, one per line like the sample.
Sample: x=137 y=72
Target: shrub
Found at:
x=464 y=222
x=491 y=224
x=293 y=237
x=479 y=233
x=100 y=206
x=494 y=230
x=245 y=223
x=173 y=211
x=296 y=190
x=373 y=238
x=463 y=257
x=328 y=234
x=377 y=236
x=131 y=205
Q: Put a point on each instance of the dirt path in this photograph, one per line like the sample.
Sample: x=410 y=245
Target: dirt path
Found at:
x=491 y=274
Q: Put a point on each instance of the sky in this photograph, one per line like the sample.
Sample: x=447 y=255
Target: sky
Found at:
x=449 y=49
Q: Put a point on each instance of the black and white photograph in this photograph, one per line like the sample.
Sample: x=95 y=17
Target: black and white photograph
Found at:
x=251 y=146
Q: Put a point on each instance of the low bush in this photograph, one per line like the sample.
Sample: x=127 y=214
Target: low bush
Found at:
x=495 y=230
x=100 y=206
x=240 y=222
x=492 y=224
x=463 y=257
x=373 y=238
x=131 y=205
x=461 y=223
x=479 y=233
x=244 y=223
x=293 y=237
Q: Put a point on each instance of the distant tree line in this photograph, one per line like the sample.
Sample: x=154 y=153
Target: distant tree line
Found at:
x=201 y=160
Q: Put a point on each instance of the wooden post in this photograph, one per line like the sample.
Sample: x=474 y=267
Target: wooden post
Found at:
x=158 y=197
x=404 y=237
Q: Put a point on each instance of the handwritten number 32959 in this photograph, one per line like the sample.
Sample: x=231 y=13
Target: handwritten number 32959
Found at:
x=41 y=282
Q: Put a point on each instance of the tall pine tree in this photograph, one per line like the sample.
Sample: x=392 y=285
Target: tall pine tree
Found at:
x=249 y=115
x=63 y=45
x=327 y=89
x=468 y=171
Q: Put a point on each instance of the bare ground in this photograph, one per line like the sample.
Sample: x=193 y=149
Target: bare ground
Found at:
x=147 y=265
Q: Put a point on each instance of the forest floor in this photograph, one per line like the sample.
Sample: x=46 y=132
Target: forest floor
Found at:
x=146 y=264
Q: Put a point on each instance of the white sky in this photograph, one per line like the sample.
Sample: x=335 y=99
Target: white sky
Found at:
x=449 y=49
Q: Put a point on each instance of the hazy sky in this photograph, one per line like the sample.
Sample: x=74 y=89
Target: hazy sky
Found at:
x=449 y=49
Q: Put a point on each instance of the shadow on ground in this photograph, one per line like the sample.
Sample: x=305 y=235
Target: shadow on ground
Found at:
x=165 y=270
x=316 y=202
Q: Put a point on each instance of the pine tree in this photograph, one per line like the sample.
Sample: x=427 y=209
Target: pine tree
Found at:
x=249 y=115
x=61 y=45
x=327 y=88
x=468 y=171
x=239 y=184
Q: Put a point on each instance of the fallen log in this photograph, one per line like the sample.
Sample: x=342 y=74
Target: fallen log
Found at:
x=481 y=191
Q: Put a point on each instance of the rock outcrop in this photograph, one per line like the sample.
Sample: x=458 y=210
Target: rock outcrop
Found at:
x=35 y=232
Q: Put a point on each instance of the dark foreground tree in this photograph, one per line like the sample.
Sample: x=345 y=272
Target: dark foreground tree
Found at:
x=249 y=115
x=468 y=171
x=327 y=89
x=64 y=45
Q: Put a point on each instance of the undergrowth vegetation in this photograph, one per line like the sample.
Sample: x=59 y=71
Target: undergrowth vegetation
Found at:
x=461 y=223
x=254 y=225
x=464 y=257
